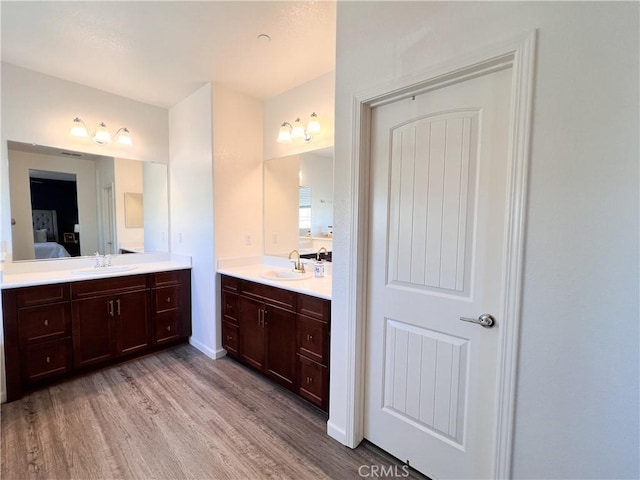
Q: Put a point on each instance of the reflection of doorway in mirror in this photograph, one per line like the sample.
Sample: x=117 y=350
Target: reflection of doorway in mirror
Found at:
x=108 y=223
x=54 y=213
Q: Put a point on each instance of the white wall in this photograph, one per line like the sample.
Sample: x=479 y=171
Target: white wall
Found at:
x=39 y=109
x=237 y=164
x=577 y=396
x=191 y=209
x=316 y=96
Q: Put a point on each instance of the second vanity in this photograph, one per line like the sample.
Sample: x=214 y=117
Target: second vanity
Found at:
x=57 y=324
x=280 y=328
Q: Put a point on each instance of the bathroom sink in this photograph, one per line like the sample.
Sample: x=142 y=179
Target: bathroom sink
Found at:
x=103 y=270
x=285 y=275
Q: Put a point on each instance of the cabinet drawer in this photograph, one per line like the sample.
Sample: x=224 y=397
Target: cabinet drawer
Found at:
x=274 y=296
x=30 y=296
x=162 y=279
x=314 y=307
x=166 y=299
x=312 y=335
x=167 y=328
x=230 y=338
x=230 y=307
x=108 y=286
x=47 y=359
x=231 y=284
x=313 y=382
x=47 y=322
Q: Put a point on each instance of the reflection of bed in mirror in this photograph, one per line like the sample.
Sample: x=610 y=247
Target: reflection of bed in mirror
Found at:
x=45 y=235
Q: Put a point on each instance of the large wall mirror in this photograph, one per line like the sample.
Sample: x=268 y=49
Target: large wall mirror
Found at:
x=298 y=203
x=67 y=204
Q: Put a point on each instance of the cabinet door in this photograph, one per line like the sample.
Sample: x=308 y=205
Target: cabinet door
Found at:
x=251 y=332
x=93 y=330
x=132 y=322
x=280 y=362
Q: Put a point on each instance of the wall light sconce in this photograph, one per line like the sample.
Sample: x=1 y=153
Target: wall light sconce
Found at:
x=101 y=136
x=290 y=132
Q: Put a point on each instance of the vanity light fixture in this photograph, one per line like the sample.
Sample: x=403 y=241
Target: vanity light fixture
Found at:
x=290 y=132
x=101 y=136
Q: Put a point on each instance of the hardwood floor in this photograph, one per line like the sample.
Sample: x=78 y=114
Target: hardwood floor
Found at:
x=176 y=414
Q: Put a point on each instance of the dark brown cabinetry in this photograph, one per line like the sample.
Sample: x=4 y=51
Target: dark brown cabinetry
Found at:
x=39 y=323
x=313 y=349
x=171 y=306
x=283 y=334
x=55 y=330
x=110 y=318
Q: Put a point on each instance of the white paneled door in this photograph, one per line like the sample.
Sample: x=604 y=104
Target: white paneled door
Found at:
x=436 y=253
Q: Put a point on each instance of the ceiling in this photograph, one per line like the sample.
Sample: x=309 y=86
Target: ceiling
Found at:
x=160 y=52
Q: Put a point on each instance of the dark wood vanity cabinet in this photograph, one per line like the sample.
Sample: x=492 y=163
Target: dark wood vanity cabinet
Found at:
x=313 y=349
x=282 y=334
x=55 y=330
x=110 y=318
x=37 y=334
x=171 y=306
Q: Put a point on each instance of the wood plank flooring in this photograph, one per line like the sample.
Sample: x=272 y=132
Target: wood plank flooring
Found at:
x=175 y=415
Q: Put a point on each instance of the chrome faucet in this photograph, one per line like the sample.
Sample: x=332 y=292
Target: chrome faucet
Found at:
x=298 y=266
x=321 y=250
x=102 y=260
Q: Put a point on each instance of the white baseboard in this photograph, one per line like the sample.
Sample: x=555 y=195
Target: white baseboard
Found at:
x=337 y=433
x=3 y=397
x=213 y=354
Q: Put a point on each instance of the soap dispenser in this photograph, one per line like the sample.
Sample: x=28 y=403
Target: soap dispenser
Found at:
x=319 y=266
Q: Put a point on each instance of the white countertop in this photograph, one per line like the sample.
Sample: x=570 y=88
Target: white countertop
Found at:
x=314 y=286
x=31 y=276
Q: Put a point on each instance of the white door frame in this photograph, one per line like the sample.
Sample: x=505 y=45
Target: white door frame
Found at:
x=519 y=54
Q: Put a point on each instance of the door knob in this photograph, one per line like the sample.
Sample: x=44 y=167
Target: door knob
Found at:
x=486 y=320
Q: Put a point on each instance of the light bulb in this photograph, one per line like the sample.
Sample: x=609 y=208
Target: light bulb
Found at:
x=124 y=137
x=314 y=125
x=285 y=134
x=102 y=135
x=78 y=129
x=298 y=129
